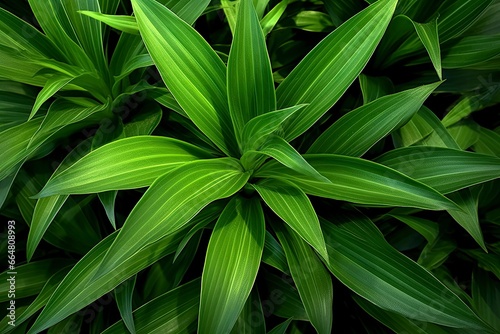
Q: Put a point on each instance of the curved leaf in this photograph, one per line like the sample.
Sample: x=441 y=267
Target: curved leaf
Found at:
x=123 y=164
x=360 y=181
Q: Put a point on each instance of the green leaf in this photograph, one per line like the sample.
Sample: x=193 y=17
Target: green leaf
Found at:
x=446 y=170
x=428 y=229
x=108 y=199
x=281 y=328
x=79 y=289
x=428 y=34
x=23 y=36
x=192 y=71
x=488 y=142
x=468 y=216
x=260 y=128
x=457 y=16
x=251 y=319
x=486 y=297
x=231 y=264
x=45 y=211
x=88 y=31
x=387 y=278
x=285 y=297
x=54 y=20
x=357 y=131
x=124 y=294
x=172 y=201
x=274 y=255
x=269 y=21
x=64 y=112
x=123 y=164
x=471 y=50
x=311 y=278
x=321 y=83
x=173 y=312
x=250 y=85
x=293 y=206
x=360 y=181
x=123 y=23
x=279 y=149
x=436 y=253
x=31 y=277
x=40 y=300
x=373 y=88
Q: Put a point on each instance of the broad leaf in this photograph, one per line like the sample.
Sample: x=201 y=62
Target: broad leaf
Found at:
x=231 y=264
x=279 y=149
x=124 y=294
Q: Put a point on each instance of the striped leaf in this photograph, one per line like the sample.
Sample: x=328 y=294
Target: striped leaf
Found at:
x=124 y=294
x=231 y=264
x=171 y=202
x=51 y=87
x=292 y=205
x=260 y=128
x=123 y=164
x=79 y=289
x=30 y=277
x=443 y=169
x=274 y=255
x=387 y=278
x=373 y=88
x=192 y=71
x=250 y=85
x=123 y=23
x=321 y=83
x=279 y=149
x=311 y=278
x=356 y=132
x=173 y=312
x=251 y=319
x=360 y=181
x=45 y=211
x=471 y=50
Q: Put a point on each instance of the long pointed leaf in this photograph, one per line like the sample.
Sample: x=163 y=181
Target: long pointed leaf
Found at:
x=360 y=181
x=311 y=278
x=250 y=85
x=233 y=258
x=192 y=71
x=357 y=131
x=321 y=83
x=291 y=204
x=123 y=164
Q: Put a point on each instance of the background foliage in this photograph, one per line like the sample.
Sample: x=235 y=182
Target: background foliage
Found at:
x=265 y=166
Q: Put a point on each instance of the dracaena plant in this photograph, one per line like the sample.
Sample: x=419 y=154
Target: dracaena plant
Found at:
x=267 y=207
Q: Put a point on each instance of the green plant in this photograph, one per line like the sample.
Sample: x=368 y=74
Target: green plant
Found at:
x=297 y=204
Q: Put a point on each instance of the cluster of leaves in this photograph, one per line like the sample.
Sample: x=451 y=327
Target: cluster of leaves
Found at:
x=265 y=166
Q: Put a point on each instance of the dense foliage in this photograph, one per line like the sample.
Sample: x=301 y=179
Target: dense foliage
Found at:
x=239 y=166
